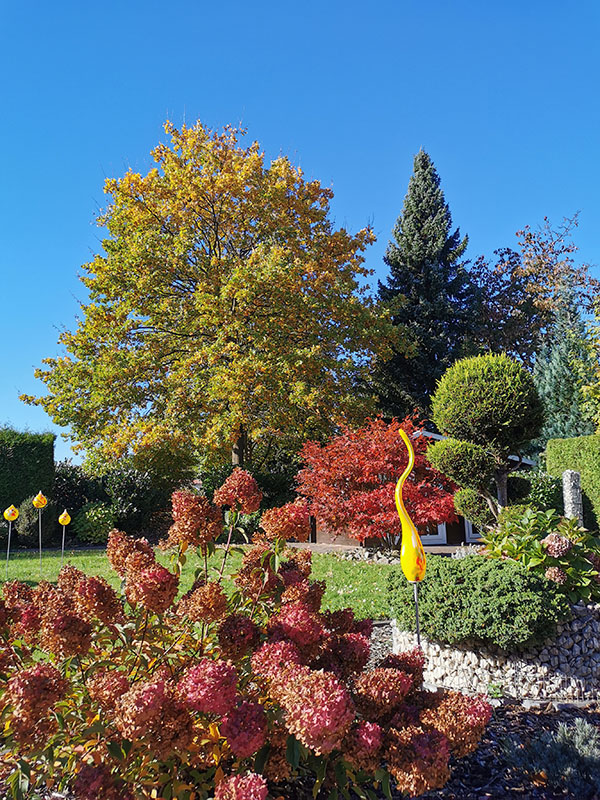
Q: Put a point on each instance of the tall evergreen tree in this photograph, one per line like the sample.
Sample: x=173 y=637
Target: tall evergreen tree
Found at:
x=429 y=291
x=563 y=365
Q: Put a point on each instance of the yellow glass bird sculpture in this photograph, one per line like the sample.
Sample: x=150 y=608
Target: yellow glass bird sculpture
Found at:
x=412 y=554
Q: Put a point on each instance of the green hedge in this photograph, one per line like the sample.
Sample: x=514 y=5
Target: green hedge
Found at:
x=481 y=601
x=26 y=465
x=580 y=453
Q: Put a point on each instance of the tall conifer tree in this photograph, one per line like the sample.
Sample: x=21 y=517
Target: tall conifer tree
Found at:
x=563 y=365
x=429 y=290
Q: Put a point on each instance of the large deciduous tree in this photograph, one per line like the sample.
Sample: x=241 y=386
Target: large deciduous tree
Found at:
x=524 y=289
x=428 y=290
x=350 y=481
x=224 y=311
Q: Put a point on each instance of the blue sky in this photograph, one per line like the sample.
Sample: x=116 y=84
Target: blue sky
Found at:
x=504 y=97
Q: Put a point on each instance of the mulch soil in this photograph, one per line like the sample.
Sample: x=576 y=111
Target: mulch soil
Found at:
x=485 y=775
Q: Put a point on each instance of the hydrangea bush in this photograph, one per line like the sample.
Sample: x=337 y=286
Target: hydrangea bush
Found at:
x=143 y=694
x=550 y=545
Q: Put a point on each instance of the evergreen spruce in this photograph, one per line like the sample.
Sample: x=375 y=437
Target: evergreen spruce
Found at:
x=429 y=291
x=562 y=366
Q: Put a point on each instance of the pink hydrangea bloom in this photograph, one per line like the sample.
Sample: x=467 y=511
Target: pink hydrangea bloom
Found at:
x=296 y=622
x=318 y=710
x=274 y=657
x=242 y=787
x=210 y=686
x=245 y=729
x=240 y=492
x=368 y=736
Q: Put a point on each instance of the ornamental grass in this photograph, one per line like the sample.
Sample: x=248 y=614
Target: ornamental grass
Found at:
x=135 y=695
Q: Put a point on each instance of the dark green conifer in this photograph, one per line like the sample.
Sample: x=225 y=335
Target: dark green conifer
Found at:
x=429 y=290
x=563 y=365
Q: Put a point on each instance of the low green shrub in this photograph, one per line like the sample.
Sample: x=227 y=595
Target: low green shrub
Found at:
x=94 y=522
x=27 y=524
x=568 y=759
x=550 y=545
x=479 y=600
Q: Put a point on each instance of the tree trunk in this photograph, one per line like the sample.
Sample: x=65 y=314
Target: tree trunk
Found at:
x=238 y=450
x=502 y=487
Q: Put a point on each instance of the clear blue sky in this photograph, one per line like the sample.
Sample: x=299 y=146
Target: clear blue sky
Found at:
x=503 y=95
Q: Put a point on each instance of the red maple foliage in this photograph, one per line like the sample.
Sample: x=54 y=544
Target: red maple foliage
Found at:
x=350 y=481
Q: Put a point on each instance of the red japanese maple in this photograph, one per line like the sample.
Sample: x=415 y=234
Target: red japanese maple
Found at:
x=350 y=481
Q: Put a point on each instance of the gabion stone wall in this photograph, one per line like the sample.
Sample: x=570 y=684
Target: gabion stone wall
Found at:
x=567 y=668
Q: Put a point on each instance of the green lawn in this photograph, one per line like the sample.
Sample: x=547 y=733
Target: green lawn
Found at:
x=358 y=585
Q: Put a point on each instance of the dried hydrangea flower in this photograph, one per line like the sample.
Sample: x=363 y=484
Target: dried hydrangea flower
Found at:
x=106 y=686
x=298 y=623
x=32 y=692
x=318 y=709
x=205 y=602
x=240 y=492
x=362 y=746
x=196 y=522
x=411 y=662
x=460 y=718
x=273 y=658
x=417 y=759
x=68 y=578
x=120 y=547
x=379 y=692
x=95 y=598
x=557 y=545
x=242 y=787
x=557 y=575
x=237 y=635
x=289 y=522
x=245 y=728
x=210 y=686
x=65 y=633
x=94 y=781
x=154 y=588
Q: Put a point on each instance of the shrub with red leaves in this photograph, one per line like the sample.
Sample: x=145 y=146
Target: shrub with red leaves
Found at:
x=350 y=482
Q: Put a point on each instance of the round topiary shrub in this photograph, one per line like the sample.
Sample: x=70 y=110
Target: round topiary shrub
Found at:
x=472 y=506
x=469 y=465
x=489 y=400
x=94 y=522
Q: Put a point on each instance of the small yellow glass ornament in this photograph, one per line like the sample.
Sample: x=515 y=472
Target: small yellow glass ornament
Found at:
x=64 y=520
x=11 y=514
x=39 y=501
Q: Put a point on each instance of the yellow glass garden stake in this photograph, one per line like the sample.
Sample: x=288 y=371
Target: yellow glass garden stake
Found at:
x=412 y=554
x=63 y=520
x=10 y=515
x=40 y=502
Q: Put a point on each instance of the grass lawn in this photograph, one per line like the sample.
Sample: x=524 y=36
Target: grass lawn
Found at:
x=358 y=585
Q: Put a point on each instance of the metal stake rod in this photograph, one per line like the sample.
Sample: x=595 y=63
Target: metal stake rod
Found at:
x=62 y=550
x=416 y=594
x=40 y=538
x=8 y=546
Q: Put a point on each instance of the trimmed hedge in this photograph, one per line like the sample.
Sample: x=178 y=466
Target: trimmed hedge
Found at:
x=580 y=453
x=481 y=601
x=26 y=465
